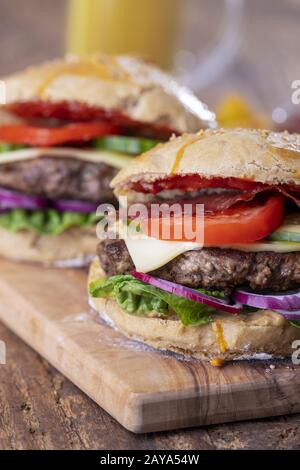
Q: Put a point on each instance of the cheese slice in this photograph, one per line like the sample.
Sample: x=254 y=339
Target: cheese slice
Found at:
x=113 y=159
x=149 y=253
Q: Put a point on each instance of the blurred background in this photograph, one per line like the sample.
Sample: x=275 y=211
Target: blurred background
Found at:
x=239 y=56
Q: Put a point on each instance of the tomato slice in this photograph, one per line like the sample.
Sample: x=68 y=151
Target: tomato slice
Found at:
x=73 y=111
x=246 y=222
x=48 y=137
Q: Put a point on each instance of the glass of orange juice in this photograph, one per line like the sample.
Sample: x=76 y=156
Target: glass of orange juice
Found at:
x=147 y=28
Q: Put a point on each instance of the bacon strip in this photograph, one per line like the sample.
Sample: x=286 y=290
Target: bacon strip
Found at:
x=289 y=194
x=220 y=202
x=238 y=190
x=214 y=204
x=79 y=112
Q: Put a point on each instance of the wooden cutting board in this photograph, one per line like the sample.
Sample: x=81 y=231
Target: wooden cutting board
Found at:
x=142 y=389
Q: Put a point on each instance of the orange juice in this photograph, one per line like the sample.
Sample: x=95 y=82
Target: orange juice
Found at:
x=147 y=28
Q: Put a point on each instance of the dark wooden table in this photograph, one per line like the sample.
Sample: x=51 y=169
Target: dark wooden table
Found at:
x=39 y=408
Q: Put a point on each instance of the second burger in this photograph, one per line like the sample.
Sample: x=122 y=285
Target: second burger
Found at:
x=67 y=128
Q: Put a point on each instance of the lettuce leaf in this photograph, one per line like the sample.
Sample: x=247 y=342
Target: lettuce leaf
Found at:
x=138 y=298
x=5 y=147
x=47 y=222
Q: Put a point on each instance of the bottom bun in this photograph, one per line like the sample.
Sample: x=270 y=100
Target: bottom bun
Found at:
x=73 y=248
x=260 y=335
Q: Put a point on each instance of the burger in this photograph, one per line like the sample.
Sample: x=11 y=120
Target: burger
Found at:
x=66 y=129
x=235 y=292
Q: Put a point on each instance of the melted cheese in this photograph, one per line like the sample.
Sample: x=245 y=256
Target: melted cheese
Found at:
x=115 y=160
x=180 y=155
x=149 y=254
x=220 y=336
x=217 y=362
x=109 y=69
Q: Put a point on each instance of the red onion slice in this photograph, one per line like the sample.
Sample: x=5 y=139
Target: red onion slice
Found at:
x=273 y=301
x=14 y=200
x=75 y=206
x=290 y=314
x=188 y=293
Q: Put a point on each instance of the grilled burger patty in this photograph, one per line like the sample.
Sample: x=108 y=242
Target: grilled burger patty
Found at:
x=60 y=178
x=213 y=268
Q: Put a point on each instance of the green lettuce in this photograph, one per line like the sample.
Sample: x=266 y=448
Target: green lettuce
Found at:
x=138 y=298
x=5 y=147
x=47 y=222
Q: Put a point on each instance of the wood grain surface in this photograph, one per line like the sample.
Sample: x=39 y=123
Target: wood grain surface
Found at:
x=143 y=389
x=41 y=409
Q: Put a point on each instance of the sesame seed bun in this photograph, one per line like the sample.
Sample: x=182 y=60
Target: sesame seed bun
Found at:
x=73 y=248
x=261 y=156
x=139 y=90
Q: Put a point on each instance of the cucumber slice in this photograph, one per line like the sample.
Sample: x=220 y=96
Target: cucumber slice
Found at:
x=288 y=234
x=266 y=245
x=122 y=144
x=289 y=231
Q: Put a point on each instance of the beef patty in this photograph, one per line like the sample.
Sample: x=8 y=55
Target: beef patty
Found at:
x=60 y=178
x=213 y=268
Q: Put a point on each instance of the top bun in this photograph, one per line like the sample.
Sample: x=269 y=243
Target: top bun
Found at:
x=261 y=156
x=127 y=84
